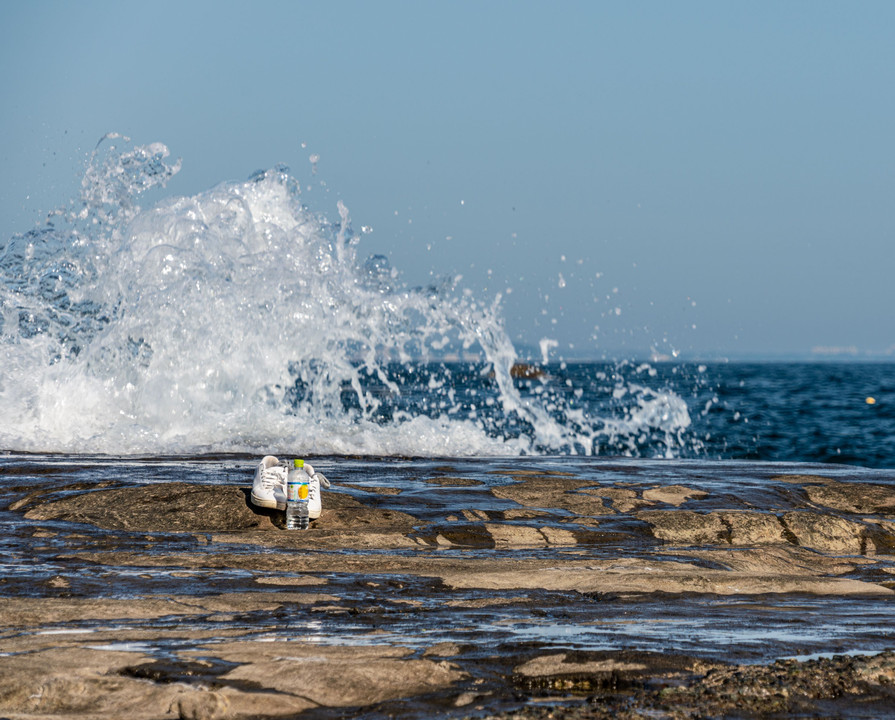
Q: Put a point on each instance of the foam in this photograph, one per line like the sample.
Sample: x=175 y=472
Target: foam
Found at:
x=238 y=319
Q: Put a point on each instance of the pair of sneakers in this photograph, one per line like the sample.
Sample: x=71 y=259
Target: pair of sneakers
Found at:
x=269 y=486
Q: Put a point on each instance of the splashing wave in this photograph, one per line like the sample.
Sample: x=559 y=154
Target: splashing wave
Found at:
x=240 y=320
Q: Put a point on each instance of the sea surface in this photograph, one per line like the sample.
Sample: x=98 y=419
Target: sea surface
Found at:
x=240 y=320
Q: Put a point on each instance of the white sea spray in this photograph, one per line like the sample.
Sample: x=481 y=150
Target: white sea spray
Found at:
x=239 y=319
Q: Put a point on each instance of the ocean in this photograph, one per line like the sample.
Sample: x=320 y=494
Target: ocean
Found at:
x=239 y=320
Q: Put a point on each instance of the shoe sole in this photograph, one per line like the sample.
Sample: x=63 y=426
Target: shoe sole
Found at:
x=264 y=503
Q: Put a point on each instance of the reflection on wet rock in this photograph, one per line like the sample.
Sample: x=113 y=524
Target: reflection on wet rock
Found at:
x=426 y=587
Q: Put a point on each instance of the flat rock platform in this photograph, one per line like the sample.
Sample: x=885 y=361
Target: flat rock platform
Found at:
x=530 y=588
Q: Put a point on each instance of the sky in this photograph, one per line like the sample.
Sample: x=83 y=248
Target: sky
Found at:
x=714 y=179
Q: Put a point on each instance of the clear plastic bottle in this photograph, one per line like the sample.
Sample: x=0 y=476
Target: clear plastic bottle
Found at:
x=297 y=485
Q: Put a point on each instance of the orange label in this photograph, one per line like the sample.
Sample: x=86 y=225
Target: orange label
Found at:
x=303 y=491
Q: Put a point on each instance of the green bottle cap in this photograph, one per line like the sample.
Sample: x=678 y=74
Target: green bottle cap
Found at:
x=298 y=463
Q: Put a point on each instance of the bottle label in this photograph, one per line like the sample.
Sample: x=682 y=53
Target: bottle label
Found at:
x=296 y=491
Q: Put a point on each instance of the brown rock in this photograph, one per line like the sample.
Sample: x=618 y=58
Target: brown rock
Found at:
x=558 y=536
x=66 y=682
x=454 y=482
x=880 y=537
x=673 y=494
x=841 y=686
x=201 y=705
x=784 y=560
x=231 y=704
x=181 y=507
x=753 y=528
x=526 y=371
x=342 y=676
x=343 y=512
x=507 y=535
x=552 y=492
x=643 y=576
x=164 y=507
x=684 y=527
x=24 y=612
x=523 y=514
x=826 y=533
x=561 y=664
x=471 y=535
x=854 y=497
x=878 y=669
x=623 y=500
x=442 y=649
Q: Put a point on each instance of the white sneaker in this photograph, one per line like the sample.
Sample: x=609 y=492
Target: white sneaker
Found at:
x=315 y=504
x=269 y=486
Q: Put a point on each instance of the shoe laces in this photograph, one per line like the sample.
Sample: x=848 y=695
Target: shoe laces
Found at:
x=270 y=478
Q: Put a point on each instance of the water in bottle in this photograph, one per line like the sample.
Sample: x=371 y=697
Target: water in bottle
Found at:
x=297 y=485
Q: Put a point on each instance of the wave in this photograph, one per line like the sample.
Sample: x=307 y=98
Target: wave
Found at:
x=239 y=319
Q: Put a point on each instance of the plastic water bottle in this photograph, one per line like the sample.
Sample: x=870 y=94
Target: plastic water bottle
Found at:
x=297 y=485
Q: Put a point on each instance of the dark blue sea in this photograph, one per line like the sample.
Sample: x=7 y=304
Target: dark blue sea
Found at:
x=800 y=412
x=771 y=411
x=790 y=412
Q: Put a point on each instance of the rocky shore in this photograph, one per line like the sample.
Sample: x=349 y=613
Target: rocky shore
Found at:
x=449 y=592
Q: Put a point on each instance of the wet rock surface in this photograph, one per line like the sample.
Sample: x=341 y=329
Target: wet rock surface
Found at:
x=840 y=686
x=574 y=588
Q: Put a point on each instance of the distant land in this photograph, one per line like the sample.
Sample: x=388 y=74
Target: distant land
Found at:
x=819 y=353
x=527 y=353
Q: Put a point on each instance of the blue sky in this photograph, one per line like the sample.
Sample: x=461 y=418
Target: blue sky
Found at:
x=716 y=178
